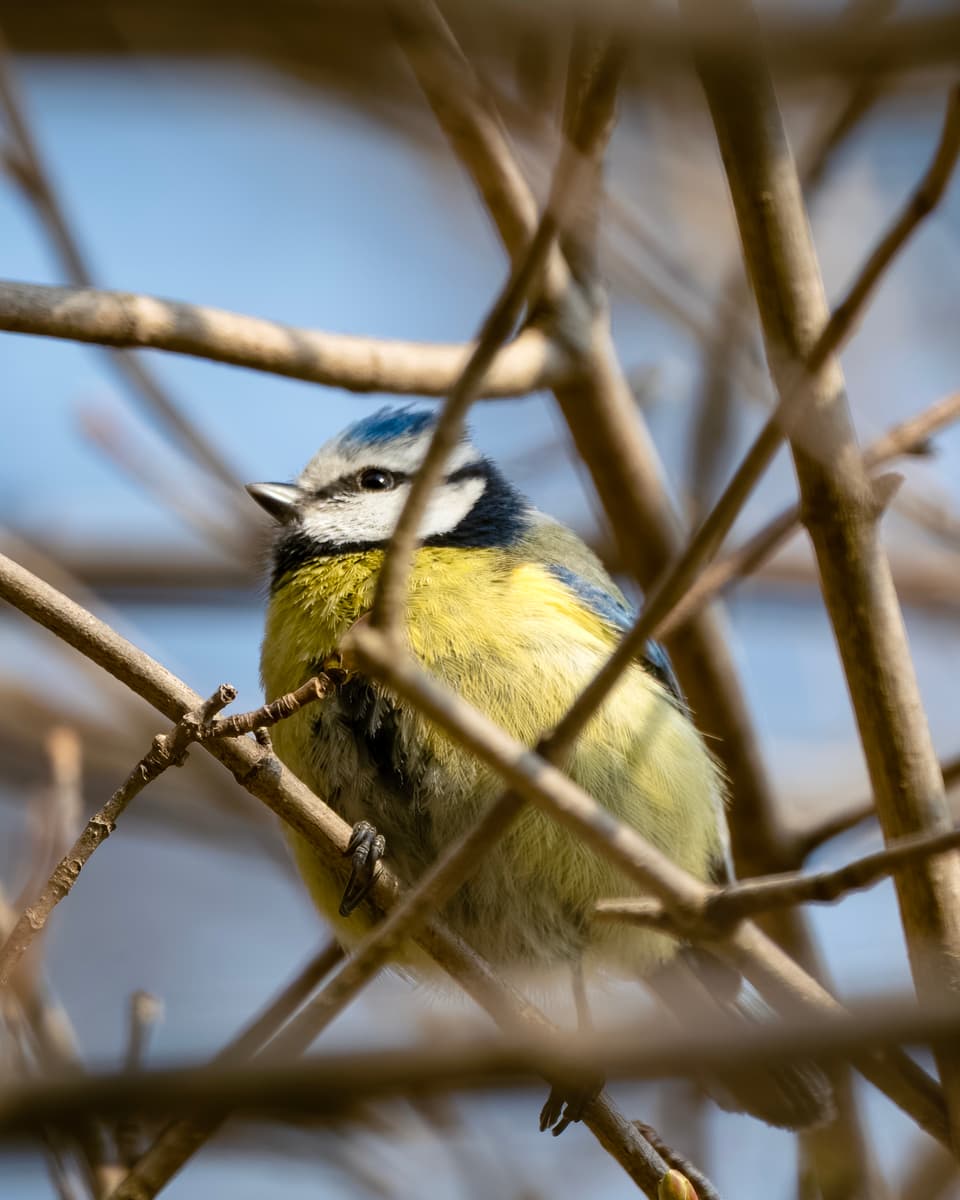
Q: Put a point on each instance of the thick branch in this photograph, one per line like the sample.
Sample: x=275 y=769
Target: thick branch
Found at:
x=357 y=364
x=838 y=501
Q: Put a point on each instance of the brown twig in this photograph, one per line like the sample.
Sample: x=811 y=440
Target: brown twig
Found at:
x=764 y=893
x=358 y=364
x=907 y=437
x=390 y=598
x=267 y=714
x=168 y=750
x=566 y=188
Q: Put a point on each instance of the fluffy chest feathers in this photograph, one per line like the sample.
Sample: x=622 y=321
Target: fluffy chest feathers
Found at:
x=519 y=644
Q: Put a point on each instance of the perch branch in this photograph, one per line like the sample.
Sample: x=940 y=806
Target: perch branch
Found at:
x=264 y=776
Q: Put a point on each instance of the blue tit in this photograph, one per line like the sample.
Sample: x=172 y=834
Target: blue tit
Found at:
x=513 y=611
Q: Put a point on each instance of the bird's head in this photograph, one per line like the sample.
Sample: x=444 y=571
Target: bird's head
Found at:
x=350 y=494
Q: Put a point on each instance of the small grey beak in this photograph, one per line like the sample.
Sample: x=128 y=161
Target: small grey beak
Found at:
x=280 y=500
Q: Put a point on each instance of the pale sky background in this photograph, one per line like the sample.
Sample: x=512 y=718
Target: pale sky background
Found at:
x=229 y=186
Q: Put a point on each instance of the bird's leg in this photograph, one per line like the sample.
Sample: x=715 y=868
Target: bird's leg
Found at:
x=366 y=847
x=565 y=1104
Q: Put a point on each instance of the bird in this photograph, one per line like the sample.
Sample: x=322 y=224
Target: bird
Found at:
x=512 y=610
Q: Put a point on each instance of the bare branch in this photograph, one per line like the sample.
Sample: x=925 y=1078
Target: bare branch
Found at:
x=168 y=750
x=762 y=894
x=908 y=437
x=839 y=506
x=181 y=1139
x=357 y=364
x=267 y=714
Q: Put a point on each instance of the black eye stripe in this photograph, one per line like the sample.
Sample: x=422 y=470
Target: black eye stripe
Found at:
x=348 y=484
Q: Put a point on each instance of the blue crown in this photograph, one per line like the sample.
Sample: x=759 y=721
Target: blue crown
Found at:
x=387 y=425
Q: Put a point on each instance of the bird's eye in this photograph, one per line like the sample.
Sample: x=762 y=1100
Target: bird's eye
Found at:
x=375 y=480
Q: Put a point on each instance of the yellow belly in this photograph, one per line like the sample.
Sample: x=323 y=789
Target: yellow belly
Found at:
x=514 y=642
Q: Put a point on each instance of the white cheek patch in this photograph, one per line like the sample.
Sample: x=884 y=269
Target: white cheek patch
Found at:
x=371 y=517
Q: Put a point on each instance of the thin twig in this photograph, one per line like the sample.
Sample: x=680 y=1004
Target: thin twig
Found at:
x=168 y=750
x=565 y=190
x=358 y=364
x=908 y=437
x=267 y=714
x=764 y=893
x=800 y=844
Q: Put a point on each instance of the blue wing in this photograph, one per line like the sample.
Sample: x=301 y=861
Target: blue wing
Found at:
x=621 y=616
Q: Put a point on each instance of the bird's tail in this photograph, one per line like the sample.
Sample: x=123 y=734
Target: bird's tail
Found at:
x=789 y=1095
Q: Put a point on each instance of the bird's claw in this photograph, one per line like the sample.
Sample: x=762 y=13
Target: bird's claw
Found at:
x=366 y=847
x=565 y=1105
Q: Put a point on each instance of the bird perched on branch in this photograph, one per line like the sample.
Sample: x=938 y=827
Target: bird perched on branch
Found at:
x=513 y=611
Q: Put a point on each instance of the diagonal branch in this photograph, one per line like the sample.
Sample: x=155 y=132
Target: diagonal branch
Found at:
x=797 y=388
x=908 y=437
x=168 y=750
x=264 y=776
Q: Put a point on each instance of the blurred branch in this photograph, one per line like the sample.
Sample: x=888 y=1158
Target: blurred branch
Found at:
x=839 y=503
x=181 y=1139
x=335 y=1086
x=24 y=163
x=358 y=364
x=735 y=324
x=53 y=1047
x=168 y=750
x=908 y=437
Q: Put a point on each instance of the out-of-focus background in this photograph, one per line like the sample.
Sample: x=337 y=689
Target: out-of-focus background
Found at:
x=242 y=179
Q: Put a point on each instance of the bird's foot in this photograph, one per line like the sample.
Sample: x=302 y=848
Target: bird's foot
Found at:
x=567 y=1104
x=366 y=847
